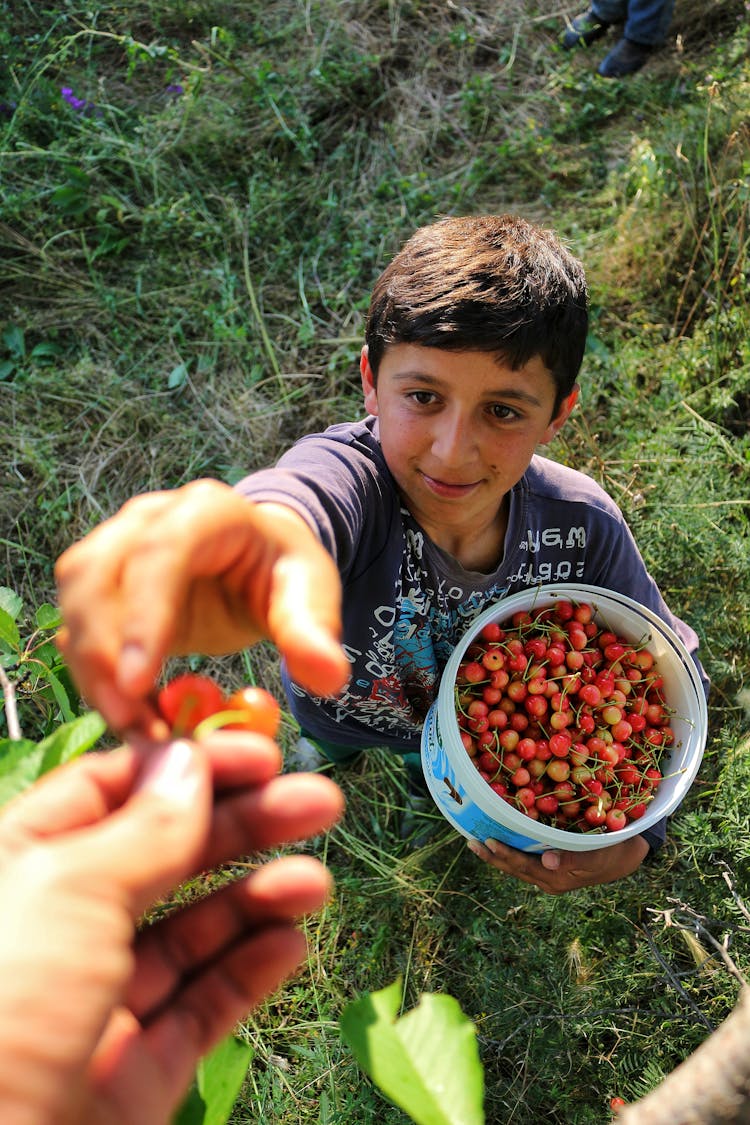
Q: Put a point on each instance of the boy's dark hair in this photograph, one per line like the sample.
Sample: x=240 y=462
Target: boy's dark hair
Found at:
x=491 y=283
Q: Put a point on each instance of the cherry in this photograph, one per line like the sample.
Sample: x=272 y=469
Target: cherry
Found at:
x=188 y=699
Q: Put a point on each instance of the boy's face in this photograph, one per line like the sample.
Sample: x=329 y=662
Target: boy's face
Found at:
x=458 y=430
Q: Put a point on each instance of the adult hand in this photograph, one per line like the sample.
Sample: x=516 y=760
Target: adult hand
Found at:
x=197 y=569
x=102 y=1022
x=556 y=872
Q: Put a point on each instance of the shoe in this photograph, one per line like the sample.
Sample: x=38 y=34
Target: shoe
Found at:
x=304 y=757
x=625 y=58
x=583 y=31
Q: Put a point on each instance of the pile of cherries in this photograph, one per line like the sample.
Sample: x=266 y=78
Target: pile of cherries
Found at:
x=564 y=719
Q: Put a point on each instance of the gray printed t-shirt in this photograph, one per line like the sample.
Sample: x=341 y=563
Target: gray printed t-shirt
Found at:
x=406 y=602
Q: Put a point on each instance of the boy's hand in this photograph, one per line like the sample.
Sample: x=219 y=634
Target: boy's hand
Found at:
x=557 y=872
x=197 y=569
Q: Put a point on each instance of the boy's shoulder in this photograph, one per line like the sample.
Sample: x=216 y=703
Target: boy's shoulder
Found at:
x=549 y=480
x=361 y=433
x=350 y=445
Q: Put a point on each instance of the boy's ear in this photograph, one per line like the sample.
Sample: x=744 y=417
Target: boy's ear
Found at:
x=564 y=412
x=368 y=383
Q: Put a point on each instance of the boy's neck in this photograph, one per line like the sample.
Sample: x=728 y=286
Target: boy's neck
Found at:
x=479 y=549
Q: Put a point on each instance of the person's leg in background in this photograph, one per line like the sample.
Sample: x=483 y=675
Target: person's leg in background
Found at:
x=646 y=23
x=594 y=24
x=311 y=754
x=645 y=29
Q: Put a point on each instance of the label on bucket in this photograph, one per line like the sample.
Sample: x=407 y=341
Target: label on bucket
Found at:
x=454 y=802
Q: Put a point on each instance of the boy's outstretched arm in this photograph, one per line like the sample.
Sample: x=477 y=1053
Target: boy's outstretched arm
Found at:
x=196 y=569
x=558 y=872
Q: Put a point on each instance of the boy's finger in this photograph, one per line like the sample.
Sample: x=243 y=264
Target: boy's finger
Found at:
x=304 y=620
x=94 y=577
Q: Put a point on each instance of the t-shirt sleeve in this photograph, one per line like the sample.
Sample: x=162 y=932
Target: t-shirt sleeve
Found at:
x=626 y=572
x=612 y=557
x=335 y=485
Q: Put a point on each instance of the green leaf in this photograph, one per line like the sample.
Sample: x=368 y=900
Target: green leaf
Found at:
x=72 y=197
x=10 y=601
x=23 y=761
x=220 y=1078
x=59 y=692
x=7 y=367
x=193 y=1109
x=177 y=376
x=48 y=617
x=9 y=635
x=20 y=760
x=46 y=350
x=218 y=1081
x=427 y=1062
x=14 y=341
x=70 y=740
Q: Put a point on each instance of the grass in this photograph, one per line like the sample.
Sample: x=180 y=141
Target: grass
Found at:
x=183 y=287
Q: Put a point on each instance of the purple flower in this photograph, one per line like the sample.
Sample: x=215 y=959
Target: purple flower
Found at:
x=80 y=105
x=176 y=89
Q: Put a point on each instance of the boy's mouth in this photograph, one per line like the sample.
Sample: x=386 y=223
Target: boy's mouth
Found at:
x=448 y=489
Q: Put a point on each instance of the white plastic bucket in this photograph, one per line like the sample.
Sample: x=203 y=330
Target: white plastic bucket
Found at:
x=471 y=806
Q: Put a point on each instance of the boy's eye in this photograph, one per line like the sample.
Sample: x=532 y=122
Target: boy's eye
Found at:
x=422 y=398
x=501 y=412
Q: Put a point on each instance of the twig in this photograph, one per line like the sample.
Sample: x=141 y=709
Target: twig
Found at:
x=11 y=711
x=499 y=1045
x=674 y=981
x=727 y=875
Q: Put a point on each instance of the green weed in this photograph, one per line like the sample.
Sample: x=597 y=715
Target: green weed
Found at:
x=188 y=238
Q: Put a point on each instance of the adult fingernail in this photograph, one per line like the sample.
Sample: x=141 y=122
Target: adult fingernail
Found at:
x=131 y=666
x=171 y=771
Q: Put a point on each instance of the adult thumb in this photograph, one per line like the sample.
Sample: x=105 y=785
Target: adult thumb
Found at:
x=154 y=840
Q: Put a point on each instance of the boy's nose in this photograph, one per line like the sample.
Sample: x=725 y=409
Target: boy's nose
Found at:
x=453 y=441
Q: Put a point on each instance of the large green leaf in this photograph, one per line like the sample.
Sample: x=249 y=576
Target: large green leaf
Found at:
x=10 y=601
x=23 y=761
x=59 y=692
x=9 y=635
x=218 y=1080
x=48 y=617
x=71 y=740
x=426 y=1062
x=20 y=761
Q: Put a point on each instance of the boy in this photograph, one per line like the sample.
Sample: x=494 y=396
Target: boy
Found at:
x=399 y=529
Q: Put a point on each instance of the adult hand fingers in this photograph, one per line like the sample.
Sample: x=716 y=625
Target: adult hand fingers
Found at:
x=183 y=943
x=288 y=808
x=188 y=1026
x=85 y=790
x=152 y=841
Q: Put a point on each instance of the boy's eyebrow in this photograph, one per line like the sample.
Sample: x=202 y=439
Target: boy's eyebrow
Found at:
x=514 y=393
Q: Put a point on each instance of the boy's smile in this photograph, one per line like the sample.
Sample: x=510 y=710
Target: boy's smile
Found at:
x=458 y=430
